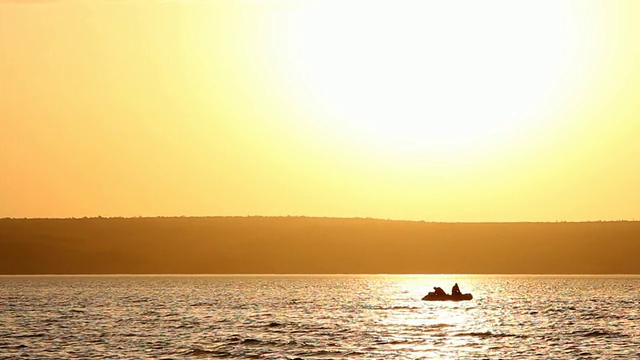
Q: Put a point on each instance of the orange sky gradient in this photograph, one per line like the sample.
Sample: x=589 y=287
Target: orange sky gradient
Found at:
x=419 y=110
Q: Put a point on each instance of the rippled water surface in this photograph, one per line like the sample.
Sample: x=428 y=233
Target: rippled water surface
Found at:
x=318 y=317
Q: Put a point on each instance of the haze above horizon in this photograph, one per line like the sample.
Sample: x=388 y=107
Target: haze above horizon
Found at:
x=443 y=111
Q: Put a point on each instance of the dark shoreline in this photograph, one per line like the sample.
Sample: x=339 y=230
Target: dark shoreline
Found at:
x=306 y=245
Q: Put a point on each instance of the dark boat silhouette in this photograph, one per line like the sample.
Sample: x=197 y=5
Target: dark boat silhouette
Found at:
x=432 y=296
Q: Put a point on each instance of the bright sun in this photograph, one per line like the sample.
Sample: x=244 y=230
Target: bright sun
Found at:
x=432 y=76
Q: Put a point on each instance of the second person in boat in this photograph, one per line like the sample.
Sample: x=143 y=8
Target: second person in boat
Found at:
x=455 y=290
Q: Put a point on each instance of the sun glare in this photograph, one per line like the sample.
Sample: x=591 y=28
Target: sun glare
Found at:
x=432 y=77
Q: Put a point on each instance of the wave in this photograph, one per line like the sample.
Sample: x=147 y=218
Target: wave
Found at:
x=136 y=300
x=150 y=313
x=199 y=352
x=235 y=340
x=332 y=353
x=251 y=341
x=398 y=307
x=439 y=326
x=488 y=334
x=399 y=341
x=202 y=303
x=598 y=333
x=28 y=335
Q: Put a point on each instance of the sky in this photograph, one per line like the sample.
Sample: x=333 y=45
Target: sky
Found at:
x=419 y=110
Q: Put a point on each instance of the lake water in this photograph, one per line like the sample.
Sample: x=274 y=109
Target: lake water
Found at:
x=318 y=317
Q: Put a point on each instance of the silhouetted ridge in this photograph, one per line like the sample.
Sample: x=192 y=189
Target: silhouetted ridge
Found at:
x=313 y=245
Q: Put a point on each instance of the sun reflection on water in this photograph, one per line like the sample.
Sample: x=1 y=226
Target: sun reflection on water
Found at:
x=438 y=325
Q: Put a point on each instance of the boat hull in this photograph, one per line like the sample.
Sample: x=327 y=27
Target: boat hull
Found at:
x=433 y=297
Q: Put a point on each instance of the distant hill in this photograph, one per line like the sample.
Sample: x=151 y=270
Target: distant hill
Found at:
x=313 y=245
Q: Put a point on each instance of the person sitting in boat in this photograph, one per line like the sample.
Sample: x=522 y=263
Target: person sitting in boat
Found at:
x=439 y=290
x=455 y=290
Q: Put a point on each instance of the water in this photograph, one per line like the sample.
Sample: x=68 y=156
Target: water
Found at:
x=318 y=317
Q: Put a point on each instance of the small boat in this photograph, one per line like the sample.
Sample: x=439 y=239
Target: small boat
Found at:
x=432 y=296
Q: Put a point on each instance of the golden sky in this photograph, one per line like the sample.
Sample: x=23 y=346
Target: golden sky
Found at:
x=428 y=110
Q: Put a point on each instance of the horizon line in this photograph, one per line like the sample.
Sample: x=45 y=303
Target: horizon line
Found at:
x=327 y=274
x=100 y=217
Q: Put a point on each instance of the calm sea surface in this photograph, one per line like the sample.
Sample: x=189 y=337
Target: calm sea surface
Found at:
x=318 y=317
